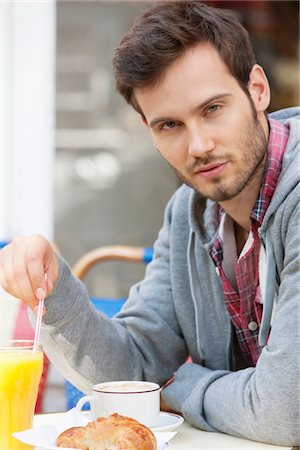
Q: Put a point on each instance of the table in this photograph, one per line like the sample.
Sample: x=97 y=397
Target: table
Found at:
x=190 y=438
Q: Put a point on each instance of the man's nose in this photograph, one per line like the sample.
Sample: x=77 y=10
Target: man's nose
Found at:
x=200 y=141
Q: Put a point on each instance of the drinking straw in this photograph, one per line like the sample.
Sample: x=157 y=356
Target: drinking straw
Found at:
x=38 y=325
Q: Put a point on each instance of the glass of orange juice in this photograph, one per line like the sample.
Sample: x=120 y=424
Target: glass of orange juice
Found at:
x=20 y=373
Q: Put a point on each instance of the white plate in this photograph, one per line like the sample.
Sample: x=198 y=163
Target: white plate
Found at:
x=48 y=426
x=168 y=421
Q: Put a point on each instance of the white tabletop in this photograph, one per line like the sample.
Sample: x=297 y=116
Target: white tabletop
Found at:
x=190 y=438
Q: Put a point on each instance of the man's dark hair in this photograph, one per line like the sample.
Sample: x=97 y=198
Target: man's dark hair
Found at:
x=163 y=32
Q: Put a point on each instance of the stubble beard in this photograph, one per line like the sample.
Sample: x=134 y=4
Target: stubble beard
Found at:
x=253 y=145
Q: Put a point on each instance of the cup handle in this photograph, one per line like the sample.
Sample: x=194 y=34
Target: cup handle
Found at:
x=83 y=400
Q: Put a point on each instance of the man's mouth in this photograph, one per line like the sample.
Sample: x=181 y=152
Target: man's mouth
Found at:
x=211 y=170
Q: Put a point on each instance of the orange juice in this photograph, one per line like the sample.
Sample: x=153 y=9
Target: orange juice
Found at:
x=20 y=373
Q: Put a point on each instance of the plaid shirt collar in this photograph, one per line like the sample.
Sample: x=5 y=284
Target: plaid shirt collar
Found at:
x=277 y=142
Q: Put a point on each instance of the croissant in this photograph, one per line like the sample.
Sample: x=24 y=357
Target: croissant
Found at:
x=109 y=433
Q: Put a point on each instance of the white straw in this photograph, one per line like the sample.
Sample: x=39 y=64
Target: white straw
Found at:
x=38 y=325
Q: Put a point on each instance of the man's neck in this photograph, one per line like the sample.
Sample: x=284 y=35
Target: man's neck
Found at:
x=239 y=209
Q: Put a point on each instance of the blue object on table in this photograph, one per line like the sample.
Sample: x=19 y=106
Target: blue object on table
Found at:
x=147 y=255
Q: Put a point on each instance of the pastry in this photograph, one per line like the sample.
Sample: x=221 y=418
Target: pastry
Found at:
x=72 y=438
x=112 y=433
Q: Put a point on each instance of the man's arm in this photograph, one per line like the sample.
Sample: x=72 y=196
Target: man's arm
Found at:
x=143 y=341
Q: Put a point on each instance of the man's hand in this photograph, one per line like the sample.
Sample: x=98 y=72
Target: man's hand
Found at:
x=24 y=264
x=164 y=406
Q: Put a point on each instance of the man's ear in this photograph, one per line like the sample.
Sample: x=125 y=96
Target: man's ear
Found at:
x=259 y=89
x=143 y=119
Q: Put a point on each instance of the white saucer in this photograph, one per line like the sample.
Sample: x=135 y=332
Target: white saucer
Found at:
x=168 y=421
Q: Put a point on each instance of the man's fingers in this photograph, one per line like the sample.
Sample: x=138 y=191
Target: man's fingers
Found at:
x=22 y=282
x=23 y=266
x=35 y=267
x=2 y=275
x=8 y=278
x=10 y=272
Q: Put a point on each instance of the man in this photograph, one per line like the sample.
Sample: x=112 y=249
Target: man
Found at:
x=223 y=287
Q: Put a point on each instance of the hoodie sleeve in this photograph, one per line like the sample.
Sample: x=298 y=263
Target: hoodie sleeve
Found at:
x=143 y=341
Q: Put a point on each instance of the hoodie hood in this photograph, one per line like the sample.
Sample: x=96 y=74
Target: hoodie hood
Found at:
x=290 y=171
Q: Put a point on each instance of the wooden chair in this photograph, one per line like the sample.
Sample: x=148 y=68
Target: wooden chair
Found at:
x=109 y=306
x=109 y=253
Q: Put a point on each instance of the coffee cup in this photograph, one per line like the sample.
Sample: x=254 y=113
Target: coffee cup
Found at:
x=139 y=400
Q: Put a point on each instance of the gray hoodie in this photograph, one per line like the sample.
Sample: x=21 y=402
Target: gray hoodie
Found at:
x=178 y=310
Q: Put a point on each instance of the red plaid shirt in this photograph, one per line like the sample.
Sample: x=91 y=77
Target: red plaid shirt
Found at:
x=244 y=299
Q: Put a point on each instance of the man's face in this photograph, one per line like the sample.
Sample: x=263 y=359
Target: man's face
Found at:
x=204 y=124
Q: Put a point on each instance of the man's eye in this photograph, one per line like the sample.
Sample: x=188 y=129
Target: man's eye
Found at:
x=168 y=125
x=213 y=108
